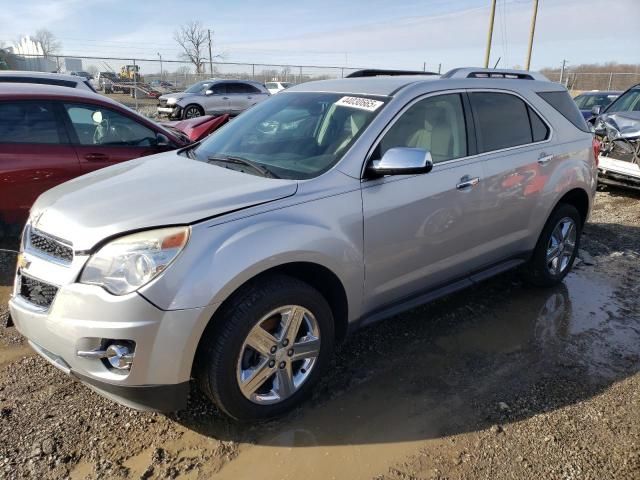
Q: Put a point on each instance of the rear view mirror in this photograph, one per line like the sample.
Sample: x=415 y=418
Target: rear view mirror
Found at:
x=162 y=140
x=402 y=161
x=596 y=110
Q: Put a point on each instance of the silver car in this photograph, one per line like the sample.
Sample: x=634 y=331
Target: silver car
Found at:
x=212 y=97
x=243 y=261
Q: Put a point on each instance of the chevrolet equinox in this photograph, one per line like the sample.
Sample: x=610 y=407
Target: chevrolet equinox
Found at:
x=243 y=260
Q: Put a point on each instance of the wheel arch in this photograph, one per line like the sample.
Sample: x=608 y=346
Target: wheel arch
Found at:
x=579 y=198
x=318 y=276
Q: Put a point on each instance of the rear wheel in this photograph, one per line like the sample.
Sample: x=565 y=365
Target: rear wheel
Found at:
x=267 y=349
x=557 y=247
x=192 y=111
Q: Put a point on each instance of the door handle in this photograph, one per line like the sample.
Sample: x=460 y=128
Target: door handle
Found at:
x=249 y=97
x=544 y=159
x=96 y=157
x=467 y=182
x=225 y=98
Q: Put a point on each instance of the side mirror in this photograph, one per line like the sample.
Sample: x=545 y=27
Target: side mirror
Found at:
x=402 y=161
x=208 y=92
x=596 y=110
x=162 y=140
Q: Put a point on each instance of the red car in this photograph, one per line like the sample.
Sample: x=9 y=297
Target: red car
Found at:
x=51 y=134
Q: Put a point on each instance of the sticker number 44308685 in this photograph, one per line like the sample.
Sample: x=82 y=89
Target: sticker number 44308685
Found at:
x=367 y=104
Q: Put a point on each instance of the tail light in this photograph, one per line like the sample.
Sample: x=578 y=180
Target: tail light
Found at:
x=596 y=149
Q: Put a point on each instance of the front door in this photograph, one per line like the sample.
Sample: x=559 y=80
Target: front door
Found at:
x=104 y=137
x=419 y=229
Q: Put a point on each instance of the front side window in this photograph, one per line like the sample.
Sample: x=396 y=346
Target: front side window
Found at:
x=198 y=87
x=28 y=122
x=295 y=136
x=95 y=125
x=435 y=124
x=504 y=121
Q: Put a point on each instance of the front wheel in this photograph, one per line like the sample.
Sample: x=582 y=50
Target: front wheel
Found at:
x=262 y=355
x=192 y=111
x=557 y=247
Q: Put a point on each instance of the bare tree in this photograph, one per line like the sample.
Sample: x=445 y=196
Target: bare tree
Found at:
x=48 y=41
x=193 y=38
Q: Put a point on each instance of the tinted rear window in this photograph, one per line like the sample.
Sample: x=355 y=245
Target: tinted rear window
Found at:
x=563 y=103
x=28 y=122
x=502 y=119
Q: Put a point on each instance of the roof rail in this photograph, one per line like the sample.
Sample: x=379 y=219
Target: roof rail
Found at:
x=470 y=72
x=374 y=72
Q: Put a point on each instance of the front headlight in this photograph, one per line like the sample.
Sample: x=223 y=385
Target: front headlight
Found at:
x=171 y=101
x=127 y=263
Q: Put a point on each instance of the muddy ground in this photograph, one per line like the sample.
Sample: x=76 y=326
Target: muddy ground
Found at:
x=500 y=381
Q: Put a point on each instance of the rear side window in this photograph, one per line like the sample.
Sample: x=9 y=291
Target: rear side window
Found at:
x=28 y=122
x=504 y=121
x=38 y=80
x=563 y=103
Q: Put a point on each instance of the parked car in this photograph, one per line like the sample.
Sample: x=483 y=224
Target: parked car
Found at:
x=275 y=87
x=618 y=128
x=212 y=97
x=83 y=74
x=51 y=134
x=587 y=100
x=44 y=78
x=240 y=261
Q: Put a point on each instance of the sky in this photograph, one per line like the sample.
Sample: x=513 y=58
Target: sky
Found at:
x=358 y=33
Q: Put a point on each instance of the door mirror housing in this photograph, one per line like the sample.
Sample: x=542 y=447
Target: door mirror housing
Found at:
x=162 y=140
x=596 y=110
x=402 y=161
x=208 y=92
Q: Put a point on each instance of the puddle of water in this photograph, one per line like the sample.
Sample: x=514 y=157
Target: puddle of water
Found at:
x=11 y=353
x=82 y=471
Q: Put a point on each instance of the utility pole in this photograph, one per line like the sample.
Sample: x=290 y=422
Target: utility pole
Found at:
x=533 y=31
x=424 y=66
x=564 y=63
x=490 y=35
x=439 y=68
x=160 y=65
x=210 y=55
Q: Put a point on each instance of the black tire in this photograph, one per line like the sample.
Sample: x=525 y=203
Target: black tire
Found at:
x=219 y=350
x=537 y=271
x=192 y=108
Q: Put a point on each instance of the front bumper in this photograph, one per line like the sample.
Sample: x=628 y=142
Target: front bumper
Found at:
x=173 y=111
x=83 y=317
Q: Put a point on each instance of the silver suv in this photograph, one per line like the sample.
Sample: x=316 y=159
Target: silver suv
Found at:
x=212 y=97
x=242 y=261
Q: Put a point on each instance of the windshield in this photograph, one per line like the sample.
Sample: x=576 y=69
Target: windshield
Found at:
x=587 y=102
x=196 y=87
x=627 y=102
x=294 y=135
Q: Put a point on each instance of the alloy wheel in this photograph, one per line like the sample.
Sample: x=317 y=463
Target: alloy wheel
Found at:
x=561 y=246
x=278 y=355
x=192 y=112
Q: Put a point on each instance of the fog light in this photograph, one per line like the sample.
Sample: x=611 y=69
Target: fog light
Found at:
x=119 y=356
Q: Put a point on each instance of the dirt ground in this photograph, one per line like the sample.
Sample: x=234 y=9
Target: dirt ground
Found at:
x=502 y=381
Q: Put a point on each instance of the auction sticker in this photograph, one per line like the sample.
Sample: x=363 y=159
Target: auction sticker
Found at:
x=367 y=104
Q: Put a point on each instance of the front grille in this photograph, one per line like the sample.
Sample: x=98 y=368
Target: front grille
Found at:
x=50 y=246
x=36 y=291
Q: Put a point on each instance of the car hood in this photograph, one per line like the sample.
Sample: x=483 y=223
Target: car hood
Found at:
x=164 y=189
x=199 y=127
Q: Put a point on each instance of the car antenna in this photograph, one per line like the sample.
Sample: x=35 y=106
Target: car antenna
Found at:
x=496 y=65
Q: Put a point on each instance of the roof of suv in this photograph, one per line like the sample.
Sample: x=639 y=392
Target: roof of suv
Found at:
x=462 y=77
x=36 y=90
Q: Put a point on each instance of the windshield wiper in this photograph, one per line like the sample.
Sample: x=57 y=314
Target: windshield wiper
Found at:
x=258 y=167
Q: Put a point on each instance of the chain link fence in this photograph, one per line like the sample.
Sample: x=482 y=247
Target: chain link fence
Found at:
x=581 y=81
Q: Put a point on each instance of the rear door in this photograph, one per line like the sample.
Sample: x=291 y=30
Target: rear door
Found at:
x=35 y=155
x=420 y=230
x=514 y=141
x=104 y=137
